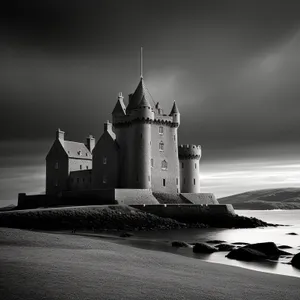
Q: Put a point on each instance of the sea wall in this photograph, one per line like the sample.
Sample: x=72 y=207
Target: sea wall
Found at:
x=134 y=196
x=200 y=198
x=189 y=212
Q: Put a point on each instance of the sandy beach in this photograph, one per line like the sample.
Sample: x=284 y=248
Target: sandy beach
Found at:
x=37 y=265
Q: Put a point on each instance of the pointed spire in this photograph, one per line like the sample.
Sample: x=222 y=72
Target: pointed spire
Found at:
x=174 y=109
x=141 y=63
x=119 y=107
x=138 y=95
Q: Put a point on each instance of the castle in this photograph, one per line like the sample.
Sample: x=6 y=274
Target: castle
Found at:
x=136 y=158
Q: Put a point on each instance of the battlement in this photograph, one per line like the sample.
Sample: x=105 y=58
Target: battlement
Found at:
x=189 y=151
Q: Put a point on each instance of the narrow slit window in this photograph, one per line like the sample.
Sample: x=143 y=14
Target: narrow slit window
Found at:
x=80 y=167
x=164 y=182
x=104 y=179
x=194 y=181
x=104 y=160
x=56 y=166
x=182 y=165
x=176 y=181
x=152 y=162
x=195 y=166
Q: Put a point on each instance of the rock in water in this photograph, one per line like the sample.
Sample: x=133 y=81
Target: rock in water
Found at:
x=225 y=247
x=204 y=248
x=257 y=252
x=180 y=244
x=215 y=242
x=296 y=261
x=292 y=233
x=246 y=254
x=269 y=249
x=284 y=247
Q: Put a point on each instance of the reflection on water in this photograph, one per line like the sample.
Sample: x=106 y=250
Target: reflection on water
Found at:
x=160 y=240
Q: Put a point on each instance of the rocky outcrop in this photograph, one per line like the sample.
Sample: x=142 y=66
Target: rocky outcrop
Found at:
x=226 y=247
x=284 y=247
x=257 y=251
x=296 y=261
x=246 y=254
x=204 y=248
x=215 y=242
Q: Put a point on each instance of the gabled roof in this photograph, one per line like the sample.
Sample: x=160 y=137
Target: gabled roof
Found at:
x=76 y=150
x=119 y=107
x=137 y=97
x=174 y=109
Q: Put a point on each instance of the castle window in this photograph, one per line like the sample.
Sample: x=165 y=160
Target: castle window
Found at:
x=161 y=130
x=182 y=165
x=161 y=146
x=174 y=137
x=79 y=152
x=183 y=180
x=152 y=162
x=56 y=165
x=80 y=167
x=195 y=166
x=56 y=183
x=164 y=182
x=104 y=179
x=194 y=181
x=176 y=181
x=104 y=160
x=149 y=178
x=82 y=179
x=87 y=167
x=164 y=165
x=77 y=180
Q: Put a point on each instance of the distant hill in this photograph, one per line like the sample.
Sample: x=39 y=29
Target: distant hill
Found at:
x=284 y=198
x=8 y=207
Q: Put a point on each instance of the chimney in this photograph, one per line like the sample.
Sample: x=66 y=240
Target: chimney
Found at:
x=60 y=135
x=108 y=126
x=90 y=143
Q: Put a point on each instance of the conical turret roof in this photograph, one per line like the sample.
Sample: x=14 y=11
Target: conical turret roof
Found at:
x=174 y=109
x=139 y=97
x=144 y=102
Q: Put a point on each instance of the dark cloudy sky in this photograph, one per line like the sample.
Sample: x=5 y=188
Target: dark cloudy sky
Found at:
x=232 y=66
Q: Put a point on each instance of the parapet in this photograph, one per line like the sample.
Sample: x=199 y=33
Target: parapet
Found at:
x=189 y=151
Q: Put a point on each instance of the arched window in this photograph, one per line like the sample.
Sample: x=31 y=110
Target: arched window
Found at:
x=164 y=165
x=161 y=146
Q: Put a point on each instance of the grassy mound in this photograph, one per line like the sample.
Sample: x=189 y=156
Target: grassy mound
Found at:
x=96 y=217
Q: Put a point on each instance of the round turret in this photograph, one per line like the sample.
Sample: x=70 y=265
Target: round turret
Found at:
x=189 y=152
x=175 y=114
x=189 y=156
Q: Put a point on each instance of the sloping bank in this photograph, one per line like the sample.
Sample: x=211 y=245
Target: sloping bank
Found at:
x=119 y=217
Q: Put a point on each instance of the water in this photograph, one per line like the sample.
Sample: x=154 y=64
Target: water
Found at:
x=160 y=240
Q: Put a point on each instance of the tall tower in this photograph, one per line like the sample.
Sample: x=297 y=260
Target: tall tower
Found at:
x=189 y=156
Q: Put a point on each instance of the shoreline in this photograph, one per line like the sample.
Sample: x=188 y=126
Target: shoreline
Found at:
x=165 y=246
x=75 y=267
